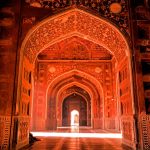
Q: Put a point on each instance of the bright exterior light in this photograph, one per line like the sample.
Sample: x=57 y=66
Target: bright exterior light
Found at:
x=87 y=135
x=74 y=118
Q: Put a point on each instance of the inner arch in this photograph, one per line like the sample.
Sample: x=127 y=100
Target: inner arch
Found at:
x=77 y=103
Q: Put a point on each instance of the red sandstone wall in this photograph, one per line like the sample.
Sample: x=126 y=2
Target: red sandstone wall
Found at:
x=126 y=100
x=111 y=100
x=9 y=29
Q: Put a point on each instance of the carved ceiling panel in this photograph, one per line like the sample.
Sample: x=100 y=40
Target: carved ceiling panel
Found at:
x=75 y=48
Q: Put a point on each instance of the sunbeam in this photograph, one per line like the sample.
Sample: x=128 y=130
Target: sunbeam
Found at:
x=87 y=135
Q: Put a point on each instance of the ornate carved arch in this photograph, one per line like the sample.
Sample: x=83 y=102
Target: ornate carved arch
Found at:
x=70 y=23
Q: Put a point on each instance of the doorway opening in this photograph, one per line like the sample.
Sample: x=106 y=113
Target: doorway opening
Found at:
x=72 y=106
x=74 y=118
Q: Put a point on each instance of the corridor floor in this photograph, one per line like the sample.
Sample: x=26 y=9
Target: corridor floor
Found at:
x=76 y=139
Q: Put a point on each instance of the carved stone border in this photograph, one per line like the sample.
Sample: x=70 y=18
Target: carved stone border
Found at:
x=4 y=131
x=145 y=126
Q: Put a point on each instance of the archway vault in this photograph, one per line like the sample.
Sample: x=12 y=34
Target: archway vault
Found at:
x=76 y=22
x=79 y=79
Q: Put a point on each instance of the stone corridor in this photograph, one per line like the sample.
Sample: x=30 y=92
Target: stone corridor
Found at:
x=75 y=63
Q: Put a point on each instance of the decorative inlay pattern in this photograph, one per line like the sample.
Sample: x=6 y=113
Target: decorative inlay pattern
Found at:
x=114 y=10
x=146 y=130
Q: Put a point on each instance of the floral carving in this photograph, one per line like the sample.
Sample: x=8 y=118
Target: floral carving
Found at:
x=86 y=67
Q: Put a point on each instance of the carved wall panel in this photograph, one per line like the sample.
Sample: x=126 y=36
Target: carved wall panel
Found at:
x=128 y=131
x=23 y=130
x=145 y=126
x=95 y=69
x=4 y=131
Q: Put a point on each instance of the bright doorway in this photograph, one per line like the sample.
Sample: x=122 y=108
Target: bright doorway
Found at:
x=74 y=118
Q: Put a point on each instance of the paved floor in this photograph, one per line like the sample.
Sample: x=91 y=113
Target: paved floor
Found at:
x=59 y=142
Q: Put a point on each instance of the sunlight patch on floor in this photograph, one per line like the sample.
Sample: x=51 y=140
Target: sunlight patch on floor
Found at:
x=86 y=135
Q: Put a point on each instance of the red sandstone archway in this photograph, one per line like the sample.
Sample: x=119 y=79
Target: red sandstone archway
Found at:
x=89 y=83
x=79 y=23
x=69 y=90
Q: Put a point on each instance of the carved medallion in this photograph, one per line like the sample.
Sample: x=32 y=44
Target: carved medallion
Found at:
x=98 y=69
x=52 y=69
x=115 y=8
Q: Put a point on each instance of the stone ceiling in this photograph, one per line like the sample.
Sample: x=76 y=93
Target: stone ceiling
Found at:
x=75 y=48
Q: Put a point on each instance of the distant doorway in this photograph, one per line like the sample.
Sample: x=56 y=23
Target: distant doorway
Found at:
x=74 y=118
x=72 y=106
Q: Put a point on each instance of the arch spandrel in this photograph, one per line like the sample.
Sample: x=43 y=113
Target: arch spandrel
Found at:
x=74 y=22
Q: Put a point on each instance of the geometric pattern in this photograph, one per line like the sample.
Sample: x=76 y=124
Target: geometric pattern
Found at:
x=4 y=131
x=145 y=126
x=113 y=10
